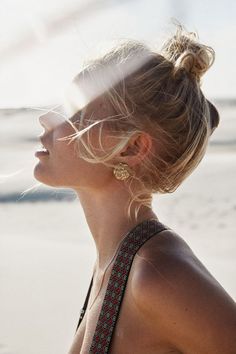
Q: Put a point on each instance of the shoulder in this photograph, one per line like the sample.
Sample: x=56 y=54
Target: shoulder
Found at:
x=181 y=299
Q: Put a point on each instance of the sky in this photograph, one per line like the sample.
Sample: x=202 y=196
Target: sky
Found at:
x=43 y=44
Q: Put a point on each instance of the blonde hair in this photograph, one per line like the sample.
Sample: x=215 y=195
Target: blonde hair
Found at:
x=158 y=94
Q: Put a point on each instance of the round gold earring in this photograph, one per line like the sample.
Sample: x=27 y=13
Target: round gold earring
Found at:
x=122 y=171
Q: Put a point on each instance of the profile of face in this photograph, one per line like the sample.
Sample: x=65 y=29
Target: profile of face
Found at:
x=60 y=164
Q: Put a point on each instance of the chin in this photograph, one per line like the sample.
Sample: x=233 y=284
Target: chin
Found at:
x=42 y=176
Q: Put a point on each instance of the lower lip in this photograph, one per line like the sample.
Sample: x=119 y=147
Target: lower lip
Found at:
x=41 y=154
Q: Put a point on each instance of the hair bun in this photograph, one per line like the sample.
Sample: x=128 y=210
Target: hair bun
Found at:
x=186 y=53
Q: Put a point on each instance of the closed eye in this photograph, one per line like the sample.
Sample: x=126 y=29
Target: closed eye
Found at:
x=76 y=119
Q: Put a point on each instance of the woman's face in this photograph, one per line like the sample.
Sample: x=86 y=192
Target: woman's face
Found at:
x=60 y=165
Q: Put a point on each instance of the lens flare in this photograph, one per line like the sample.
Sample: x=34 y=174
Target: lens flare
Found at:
x=90 y=84
x=5 y=177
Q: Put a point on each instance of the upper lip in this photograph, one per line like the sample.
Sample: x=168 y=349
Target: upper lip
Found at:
x=42 y=140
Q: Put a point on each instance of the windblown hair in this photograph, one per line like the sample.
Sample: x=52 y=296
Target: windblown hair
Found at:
x=158 y=94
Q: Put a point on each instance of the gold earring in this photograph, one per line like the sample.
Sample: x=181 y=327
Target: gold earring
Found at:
x=122 y=171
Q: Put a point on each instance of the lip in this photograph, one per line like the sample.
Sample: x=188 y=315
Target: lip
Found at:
x=43 y=151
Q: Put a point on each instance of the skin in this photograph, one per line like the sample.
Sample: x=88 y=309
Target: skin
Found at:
x=172 y=303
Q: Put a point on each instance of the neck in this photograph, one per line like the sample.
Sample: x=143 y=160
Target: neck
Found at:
x=106 y=217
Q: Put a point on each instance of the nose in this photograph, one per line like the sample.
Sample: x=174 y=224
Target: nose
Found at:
x=44 y=121
x=51 y=120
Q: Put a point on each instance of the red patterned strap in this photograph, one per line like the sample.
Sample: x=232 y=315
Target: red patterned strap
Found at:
x=116 y=286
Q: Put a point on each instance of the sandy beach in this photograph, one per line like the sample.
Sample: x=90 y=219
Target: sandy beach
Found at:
x=47 y=252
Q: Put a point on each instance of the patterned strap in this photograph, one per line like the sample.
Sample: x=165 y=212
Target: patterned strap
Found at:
x=116 y=286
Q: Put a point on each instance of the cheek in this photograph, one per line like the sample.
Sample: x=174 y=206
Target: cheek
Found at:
x=66 y=166
x=64 y=160
x=75 y=172
x=63 y=151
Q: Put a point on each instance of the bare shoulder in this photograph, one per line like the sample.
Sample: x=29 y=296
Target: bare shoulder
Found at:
x=172 y=256
x=180 y=297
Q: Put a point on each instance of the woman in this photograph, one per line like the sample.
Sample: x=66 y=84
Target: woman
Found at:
x=140 y=125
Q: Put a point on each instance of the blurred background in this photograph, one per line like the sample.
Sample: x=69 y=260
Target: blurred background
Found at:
x=47 y=252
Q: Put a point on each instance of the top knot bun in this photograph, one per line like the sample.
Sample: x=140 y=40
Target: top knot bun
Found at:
x=186 y=53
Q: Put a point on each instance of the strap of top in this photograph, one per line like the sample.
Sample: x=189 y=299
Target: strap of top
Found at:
x=82 y=312
x=116 y=286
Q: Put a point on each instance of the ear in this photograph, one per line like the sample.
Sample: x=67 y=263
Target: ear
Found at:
x=137 y=149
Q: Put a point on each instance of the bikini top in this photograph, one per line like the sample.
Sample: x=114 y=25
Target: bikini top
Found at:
x=109 y=313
